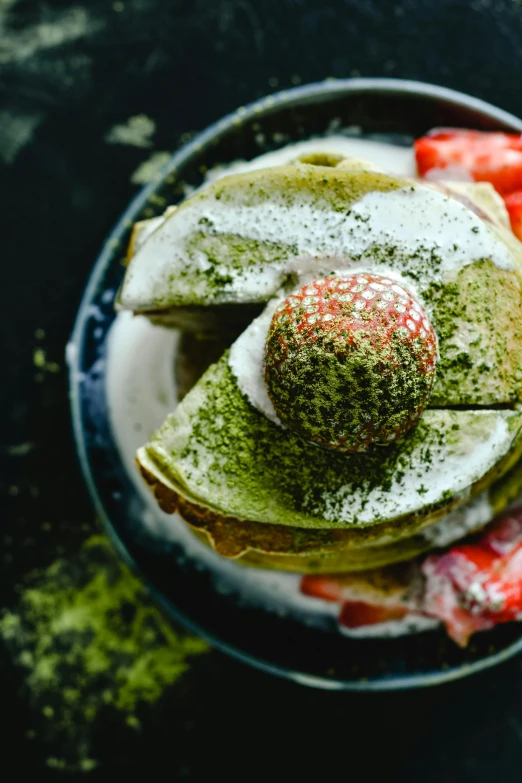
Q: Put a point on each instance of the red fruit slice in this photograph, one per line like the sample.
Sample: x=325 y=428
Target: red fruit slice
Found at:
x=357 y=614
x=369 y=597
x=477 y=586
x=328 y=588
x=513 y=203
x=483 y=156
x=470 y=588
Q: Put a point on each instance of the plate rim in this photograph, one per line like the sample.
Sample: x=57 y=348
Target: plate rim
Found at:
x=268 y=104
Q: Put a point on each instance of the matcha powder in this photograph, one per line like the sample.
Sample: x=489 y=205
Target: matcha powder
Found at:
x=88 y=639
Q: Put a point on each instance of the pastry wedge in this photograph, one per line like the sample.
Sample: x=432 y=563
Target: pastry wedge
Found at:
x=251 y=486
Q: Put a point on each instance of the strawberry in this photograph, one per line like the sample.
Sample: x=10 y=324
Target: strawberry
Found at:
x=328 y=588
x=513 y=202
x=470 y=588
x=394 y=583
x=477 y=586
x=477 y=155
x=350 y=361
x=357 y=614
x=368 y=598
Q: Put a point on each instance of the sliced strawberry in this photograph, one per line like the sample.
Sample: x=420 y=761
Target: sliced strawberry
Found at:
x=470 y=588
x=442 y=602
x=346 y=590
x=395 y=584
x=328 y=588
x=477 y=586
x=369 y=597
x=356 y=614
x=513 y=203
x=480 y=155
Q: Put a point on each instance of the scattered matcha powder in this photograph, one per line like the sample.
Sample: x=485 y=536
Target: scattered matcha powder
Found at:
x=89 y=639
x=40 y=361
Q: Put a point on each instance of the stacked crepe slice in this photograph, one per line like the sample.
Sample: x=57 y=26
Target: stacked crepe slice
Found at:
x=256 y=491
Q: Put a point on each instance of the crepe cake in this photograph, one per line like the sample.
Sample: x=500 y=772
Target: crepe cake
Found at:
x=258 y=491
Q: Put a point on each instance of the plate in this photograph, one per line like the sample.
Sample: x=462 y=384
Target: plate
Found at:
x=294 y=645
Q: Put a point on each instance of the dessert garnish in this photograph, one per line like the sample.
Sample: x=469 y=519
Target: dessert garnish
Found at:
x=478 y=155
x=472 y=587
x=350 y=361
x=477 y=585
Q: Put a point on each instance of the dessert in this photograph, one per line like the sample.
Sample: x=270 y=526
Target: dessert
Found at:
x=367 y=409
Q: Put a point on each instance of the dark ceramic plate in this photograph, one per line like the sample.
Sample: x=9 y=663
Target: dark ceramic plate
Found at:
x=282 y=646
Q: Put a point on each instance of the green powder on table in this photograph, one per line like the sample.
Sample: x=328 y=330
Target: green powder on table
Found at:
x=88 y=639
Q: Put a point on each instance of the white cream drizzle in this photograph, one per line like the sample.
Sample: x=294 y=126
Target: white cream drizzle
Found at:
x=459 y=523
x=247 y=361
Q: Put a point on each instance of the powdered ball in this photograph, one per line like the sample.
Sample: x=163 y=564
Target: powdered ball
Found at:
x=350 y=361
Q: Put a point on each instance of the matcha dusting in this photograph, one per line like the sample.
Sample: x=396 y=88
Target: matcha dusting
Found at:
x=219 y=451
x=477 y=317
x=40 y=361
x=88 y=640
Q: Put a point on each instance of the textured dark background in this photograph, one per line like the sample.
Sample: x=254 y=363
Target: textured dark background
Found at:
x=69 y=73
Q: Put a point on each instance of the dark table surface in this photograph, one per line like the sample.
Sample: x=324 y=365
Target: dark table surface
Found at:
x=93 y=97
